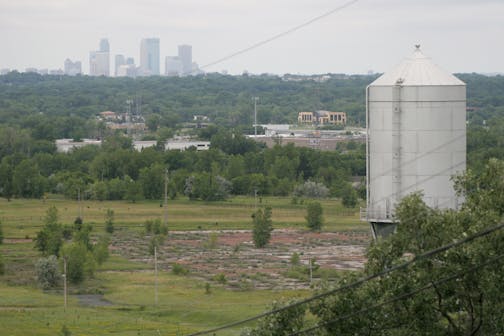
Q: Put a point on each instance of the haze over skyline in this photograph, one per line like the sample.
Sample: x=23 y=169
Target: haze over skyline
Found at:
x=459 y=35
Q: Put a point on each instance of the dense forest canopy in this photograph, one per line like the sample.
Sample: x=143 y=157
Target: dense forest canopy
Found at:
x=227 y=100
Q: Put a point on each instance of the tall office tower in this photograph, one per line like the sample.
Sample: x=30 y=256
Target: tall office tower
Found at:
x=72 y=68
x=99 y=61
x=119 y=60
x=173 y=66
x=104 y=45
x=185 y=56
x=130 y=61
x=149 y=57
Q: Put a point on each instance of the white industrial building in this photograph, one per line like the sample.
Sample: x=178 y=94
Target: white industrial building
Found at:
x=416 y=123
x=67 y=145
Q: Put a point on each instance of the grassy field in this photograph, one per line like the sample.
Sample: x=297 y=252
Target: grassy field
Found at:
x=183 y=306
x=23 y=218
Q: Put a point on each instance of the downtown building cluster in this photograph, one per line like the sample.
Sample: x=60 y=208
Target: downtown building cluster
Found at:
x=149 y=64
x=150 y=61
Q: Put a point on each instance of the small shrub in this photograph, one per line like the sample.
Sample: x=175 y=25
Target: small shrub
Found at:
x=67 y=232
x=179 y=269
x=148 y=226
x=212 y=241
x=80 y=262
x=1 y=233
x=154 y=226
x=100 y=250
x=245 y=285
x=47 y=270
x=295 y=260
x=155 y=242
x=261 y=232
x=78 y=223
x=109 y=221
x=314 y=219
x=349 y=199
x=220 y=278
x=208 y=289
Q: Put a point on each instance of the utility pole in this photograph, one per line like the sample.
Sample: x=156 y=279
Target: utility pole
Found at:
x=311 y=272
x=65 y=281
x=155 y=277
x=255 y=116
x=79 y=202
x=165 y=205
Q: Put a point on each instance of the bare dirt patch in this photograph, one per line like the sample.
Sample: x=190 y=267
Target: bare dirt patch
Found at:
x=17 y=240
x=233 y=254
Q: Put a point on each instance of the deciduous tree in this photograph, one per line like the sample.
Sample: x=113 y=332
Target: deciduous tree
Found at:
x=263 y=226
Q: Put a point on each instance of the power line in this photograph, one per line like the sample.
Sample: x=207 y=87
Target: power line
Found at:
x=400 y=297
x=279 y=35
x=359 y=282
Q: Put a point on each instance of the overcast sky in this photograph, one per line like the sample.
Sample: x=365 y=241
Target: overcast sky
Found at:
x=459 y=35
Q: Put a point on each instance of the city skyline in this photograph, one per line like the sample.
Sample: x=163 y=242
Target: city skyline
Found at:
x=461 y=35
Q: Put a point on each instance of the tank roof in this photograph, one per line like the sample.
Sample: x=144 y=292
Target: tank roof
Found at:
x=417 y=70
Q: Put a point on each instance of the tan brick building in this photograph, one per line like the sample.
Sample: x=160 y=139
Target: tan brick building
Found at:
x=322 y=118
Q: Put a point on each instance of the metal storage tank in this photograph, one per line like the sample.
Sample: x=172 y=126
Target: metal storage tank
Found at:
x=416 y=126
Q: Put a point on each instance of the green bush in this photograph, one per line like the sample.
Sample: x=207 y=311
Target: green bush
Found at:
x=109 y=221
x=154 y=226
x=212 y=241
x=314 y=218
x=220 y=278
x=100 y=250
x=47 y=270
x=295 y=260
x=80 y=262
x=261 y=232
x=179 y=269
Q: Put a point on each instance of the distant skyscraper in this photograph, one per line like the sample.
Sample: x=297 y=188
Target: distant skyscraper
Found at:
x=173 y=66
x=104 y=45
x=99 y=61
x=185 y=56
x=72 y=68
x=130 y=61
x=149 y=57
x=119 y=60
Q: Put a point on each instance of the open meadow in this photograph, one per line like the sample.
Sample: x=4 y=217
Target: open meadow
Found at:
x=225 y=278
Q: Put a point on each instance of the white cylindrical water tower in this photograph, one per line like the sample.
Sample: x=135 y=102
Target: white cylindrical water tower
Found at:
x=416 y=124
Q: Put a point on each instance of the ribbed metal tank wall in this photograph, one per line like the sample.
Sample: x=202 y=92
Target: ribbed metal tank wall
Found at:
x=416 y=119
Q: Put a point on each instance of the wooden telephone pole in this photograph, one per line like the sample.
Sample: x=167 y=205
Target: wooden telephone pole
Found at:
x=165 y=205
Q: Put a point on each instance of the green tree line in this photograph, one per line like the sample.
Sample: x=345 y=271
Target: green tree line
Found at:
x=115 y=171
